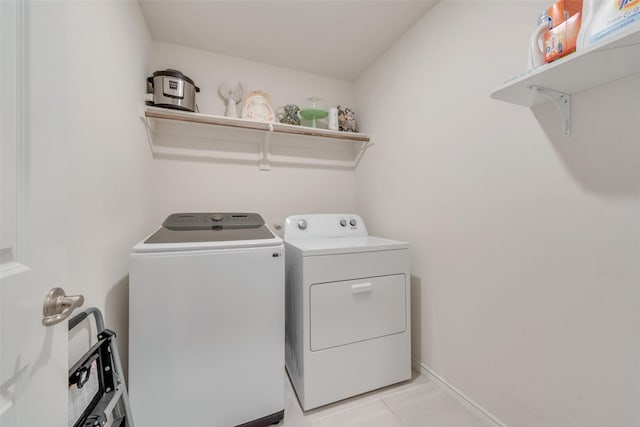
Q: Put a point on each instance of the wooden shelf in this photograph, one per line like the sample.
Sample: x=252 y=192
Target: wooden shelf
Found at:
x=614 y=59
x=304 y=142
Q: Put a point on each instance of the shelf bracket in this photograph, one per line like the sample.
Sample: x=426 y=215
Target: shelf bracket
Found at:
x=363 y=147
x=150 y=128
x=265 y=155
x=562 y=100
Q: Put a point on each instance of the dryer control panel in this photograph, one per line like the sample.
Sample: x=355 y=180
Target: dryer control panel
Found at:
x=324 y=225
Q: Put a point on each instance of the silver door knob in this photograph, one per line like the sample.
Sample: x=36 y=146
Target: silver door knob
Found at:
x=58 y=306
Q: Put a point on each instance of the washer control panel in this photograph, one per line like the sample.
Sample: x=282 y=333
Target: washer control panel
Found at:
x=209 y=220
x=324 y=225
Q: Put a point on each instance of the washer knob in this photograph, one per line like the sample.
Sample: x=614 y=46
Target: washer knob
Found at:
x=353 y=222
x=217 y=217
x=302 y=224
x=343 y=222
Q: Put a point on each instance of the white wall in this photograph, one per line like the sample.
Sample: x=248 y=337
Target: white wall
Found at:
x=101 y=51
x=525 y=244
x=183 y=185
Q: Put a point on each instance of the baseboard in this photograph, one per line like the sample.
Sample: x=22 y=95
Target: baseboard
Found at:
x=476 y=409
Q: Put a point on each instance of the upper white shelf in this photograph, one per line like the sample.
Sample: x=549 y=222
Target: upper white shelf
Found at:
x=618 y=57
x=230 y=139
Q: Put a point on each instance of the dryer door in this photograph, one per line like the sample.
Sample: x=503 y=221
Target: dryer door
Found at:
x=357 y=310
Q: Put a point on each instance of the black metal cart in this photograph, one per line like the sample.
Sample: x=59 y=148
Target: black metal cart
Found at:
x=97 y=390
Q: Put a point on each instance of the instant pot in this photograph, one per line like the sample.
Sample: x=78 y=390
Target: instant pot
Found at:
x=172 y=89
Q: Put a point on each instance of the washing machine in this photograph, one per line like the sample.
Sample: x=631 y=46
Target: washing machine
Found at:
x=348 y=327
x=206 y=323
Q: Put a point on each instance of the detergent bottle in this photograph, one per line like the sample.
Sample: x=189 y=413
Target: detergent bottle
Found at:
x=604 y=18
x=536 y=43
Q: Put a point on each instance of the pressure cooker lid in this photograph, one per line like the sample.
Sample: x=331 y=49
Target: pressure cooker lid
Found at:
x=173 y=73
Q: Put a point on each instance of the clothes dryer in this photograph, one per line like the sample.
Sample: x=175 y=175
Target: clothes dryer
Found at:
x=348 y=327
x=206 y=315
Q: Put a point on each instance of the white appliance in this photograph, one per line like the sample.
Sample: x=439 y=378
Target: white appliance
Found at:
x=206 y=323
x=348 y=327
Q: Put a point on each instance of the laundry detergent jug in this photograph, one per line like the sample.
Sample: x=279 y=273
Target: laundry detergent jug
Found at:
x=565 y=17
x=603 y=18
x=536 y=43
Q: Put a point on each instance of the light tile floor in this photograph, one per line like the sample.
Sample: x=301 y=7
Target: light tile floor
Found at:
x=414 y=403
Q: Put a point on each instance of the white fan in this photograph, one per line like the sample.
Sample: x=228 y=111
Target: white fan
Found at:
x=231 y=96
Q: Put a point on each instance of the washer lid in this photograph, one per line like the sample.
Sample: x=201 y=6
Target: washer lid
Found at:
x=343 y=245
x=188 y=231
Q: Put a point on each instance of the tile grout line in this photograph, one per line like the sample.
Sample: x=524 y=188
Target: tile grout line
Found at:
x=482 y=414
x=363 y=399
x=393 y=413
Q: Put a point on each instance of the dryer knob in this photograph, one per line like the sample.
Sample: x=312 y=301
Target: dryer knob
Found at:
x=302 y=224
x=343 y=222
x=353 y=222
x=217 y=217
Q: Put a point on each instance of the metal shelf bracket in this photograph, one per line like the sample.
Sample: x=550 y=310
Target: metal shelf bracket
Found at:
x=562 y=100
x=265 y=150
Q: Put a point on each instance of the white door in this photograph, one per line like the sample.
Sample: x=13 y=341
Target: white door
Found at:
x=33 y=255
